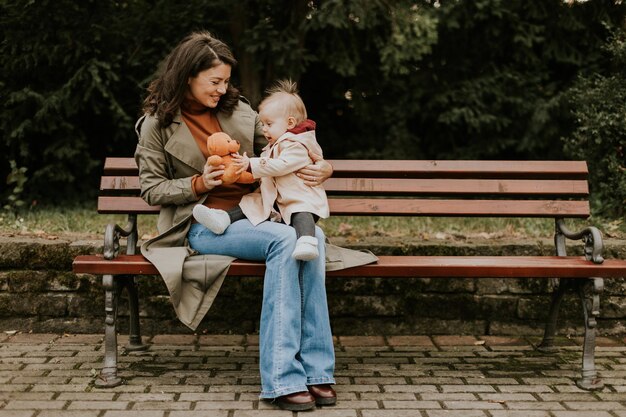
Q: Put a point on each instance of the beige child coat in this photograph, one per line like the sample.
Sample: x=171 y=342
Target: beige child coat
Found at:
x=276 y=168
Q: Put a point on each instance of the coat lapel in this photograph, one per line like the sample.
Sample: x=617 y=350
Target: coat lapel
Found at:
x=182 y=146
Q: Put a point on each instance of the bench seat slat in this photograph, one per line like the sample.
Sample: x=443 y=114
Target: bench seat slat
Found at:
x=399 y=266
x=422 y=168
x=401 y=207
x=567 y=188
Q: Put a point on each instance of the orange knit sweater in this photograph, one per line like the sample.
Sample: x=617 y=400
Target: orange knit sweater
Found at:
x=202 y=123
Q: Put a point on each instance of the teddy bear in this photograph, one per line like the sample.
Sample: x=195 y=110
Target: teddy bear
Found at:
x=220 y=146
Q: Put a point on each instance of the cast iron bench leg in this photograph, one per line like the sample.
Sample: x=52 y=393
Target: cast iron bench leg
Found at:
x=547 y=344
x=134 y=339
x=589 y=292
x=108 y=375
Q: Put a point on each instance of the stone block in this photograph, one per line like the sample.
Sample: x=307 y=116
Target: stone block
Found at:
x=364 y=306
x=512 y=286
x=33 y=305
x=539 y=307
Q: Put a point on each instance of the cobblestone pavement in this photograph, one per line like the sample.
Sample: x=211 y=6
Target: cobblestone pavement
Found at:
x=46 y=375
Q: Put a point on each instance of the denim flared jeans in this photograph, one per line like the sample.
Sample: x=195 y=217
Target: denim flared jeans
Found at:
x=296 y=345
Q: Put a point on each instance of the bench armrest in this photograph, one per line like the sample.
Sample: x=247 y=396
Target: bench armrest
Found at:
x=591 y=237
x=113 y=233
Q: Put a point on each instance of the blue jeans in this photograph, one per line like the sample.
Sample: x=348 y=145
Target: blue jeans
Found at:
x=296 y=345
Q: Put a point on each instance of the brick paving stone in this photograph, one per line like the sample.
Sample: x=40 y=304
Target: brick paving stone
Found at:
x=357 y=388
x=37 y=405
x=379 y=380
x=79 y=339
x=569 y=396
x=212 y=396
x=410 y=388
x=17 y=413
x=519 y=413
x=472 y=405
x=493 y=341
x=25 y=396
x=438 y=381
x=153 y=396
x=331 y=412
x=417 y=341
x=86 y=396
x=261 y=413
x=594 y=405
x=13 y=387
x=455 y=413
x=173 y=339
x=535 y=405
x=418 y=405
x=454 y=340
x=610 y=396
x=580 y=414
x=381 y=396
x=356 y=404
x=221 y=340
x=134 y=413
x=162 y=405
x=453 y=354
x=224 y=405
x=467 y=388
x=32 y=338
x=362 y=341
x=440 y=396
x=98 y=405
x=70 y=413
x=189 y=413
x=490 y=381
x=507 y=397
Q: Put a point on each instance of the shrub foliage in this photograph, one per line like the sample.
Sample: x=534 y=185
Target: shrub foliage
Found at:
x=492 y=79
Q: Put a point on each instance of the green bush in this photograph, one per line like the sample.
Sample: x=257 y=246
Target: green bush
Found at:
x=599 y=136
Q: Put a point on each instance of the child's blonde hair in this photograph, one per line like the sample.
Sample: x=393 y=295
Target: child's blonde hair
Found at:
x=287 y=92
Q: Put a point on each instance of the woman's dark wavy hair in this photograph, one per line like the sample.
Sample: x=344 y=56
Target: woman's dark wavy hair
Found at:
x=197 y=52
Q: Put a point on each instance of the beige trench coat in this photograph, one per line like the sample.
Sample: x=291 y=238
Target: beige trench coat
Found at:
x=276 y=168
x=168 y=158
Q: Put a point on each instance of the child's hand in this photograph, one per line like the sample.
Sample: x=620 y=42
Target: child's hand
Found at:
x=242 y=161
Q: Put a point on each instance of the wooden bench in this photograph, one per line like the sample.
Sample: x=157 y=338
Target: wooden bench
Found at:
x=548 y=189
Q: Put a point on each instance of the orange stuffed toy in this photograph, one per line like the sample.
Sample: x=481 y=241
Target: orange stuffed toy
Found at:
x=220 y=147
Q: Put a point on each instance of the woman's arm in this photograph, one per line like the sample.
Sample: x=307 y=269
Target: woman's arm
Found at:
x=317 y=172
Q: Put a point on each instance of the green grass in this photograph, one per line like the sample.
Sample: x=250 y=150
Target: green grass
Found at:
x=84 y=221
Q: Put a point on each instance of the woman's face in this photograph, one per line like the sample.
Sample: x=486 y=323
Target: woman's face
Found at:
x=209 y=85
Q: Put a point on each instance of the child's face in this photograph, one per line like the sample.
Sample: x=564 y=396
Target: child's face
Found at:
x=275 y=122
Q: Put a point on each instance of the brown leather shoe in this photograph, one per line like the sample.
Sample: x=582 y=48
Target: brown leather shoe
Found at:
x=324 y=394
x=297 y=401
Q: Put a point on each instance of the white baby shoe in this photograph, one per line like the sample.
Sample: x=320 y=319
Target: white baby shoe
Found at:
x=306 y=248
x=215 y=220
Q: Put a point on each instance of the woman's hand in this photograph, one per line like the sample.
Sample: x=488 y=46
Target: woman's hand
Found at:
x=316 y=173
x=210 y=174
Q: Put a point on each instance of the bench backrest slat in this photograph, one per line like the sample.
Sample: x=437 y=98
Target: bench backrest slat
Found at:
x=563 y=188
x=401 y=207
x=423 y=169
x=414 y=188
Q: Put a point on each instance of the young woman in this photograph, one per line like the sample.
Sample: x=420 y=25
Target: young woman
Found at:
x=191 y=98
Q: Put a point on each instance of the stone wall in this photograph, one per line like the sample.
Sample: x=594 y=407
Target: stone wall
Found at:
x=39 y=293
